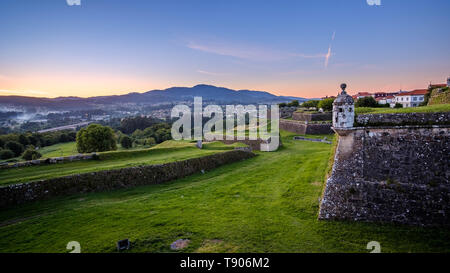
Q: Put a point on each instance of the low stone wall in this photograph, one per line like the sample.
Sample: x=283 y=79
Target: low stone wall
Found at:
x=391 y=174
x=286 y=112
x=305 y=116
x=53 y=160
x=302 y=128
x=313 y=139
x=114 y=179
x=253 y=144
x=403 y=119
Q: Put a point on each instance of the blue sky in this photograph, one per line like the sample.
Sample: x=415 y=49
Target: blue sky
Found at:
x=49 y=48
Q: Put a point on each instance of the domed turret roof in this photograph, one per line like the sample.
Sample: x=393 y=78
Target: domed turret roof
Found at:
x=343 y=97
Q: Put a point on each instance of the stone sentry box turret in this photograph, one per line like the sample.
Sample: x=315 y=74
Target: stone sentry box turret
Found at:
x=387 y=171
x=343 y=110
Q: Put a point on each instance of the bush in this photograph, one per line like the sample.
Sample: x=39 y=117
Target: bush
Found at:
x=23 y=139
x=326 y=104
x=281 y=105
x=31 y=154
x=96 y=138
x=398 y=105
x=15 y=147
x=311 y=103
x=150 y=141
x=131 y=124
x=126 y=142
x=366 y=102
x=2 y=143
x=6 y=154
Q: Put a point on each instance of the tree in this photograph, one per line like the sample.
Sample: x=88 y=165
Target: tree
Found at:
x=126 y=142
x=366 y=102
x=15 y=147
x=6 y=154
x=2 y=143
x=137 y=134
x=64 y=138
x=31 y=154
x=23 y=139
x=398 y=105
x=131 y=124
x=281 y=105
x=294 y=103
x=311 y=103
x=150 y=141
x=326 y=104
x=96 y=138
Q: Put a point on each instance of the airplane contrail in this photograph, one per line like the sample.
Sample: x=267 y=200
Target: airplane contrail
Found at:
x=327 y=57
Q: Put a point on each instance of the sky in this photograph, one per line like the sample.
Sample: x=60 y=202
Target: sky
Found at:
x=303 y=48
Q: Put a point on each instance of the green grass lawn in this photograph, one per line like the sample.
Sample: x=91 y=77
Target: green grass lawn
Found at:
x=165 y=152
x=422 y=109
x=61 y=149
x=265 y=204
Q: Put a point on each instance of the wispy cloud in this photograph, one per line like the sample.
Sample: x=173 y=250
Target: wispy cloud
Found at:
x=212 y=73
x=23 y=92
x=248 y=52
x=328 y=55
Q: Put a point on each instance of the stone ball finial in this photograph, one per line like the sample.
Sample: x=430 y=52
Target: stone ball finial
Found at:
x=343 y=86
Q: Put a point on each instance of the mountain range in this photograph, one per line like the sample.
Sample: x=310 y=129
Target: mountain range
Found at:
x=210 y=93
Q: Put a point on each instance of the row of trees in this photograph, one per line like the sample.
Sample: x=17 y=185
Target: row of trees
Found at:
x=14 y=145
x=293 y=103
x=152 y=135
x=327 y=104
x=98 y=138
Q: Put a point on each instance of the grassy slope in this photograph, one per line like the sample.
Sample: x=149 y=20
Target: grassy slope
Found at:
x=265 y=204
x=163 y=153
x=61 y=149
x=64 y=149
x=422 y=109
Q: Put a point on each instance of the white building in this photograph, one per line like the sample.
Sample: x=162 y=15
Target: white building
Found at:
x=385 y=100
x=411 y=99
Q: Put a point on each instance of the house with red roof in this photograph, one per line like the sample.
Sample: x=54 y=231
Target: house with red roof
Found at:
x=362 y=95
x=410 y=99
x=386 y=100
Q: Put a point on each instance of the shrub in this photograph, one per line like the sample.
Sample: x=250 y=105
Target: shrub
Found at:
x=15 y=147
x=294 y=103
x=283 y=104
x=31 y=154
x=126 y=142
x=398 y=105
x=2 y=143
x=366 y=102
x=150 y=141
x=326 y=104
x=311 y=103
x=96 y=138
x=23 y=139
x=6 y=154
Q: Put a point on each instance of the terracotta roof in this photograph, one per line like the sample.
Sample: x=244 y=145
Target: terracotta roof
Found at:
x=417 y=92
x=438 y=85
x=364 y=94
